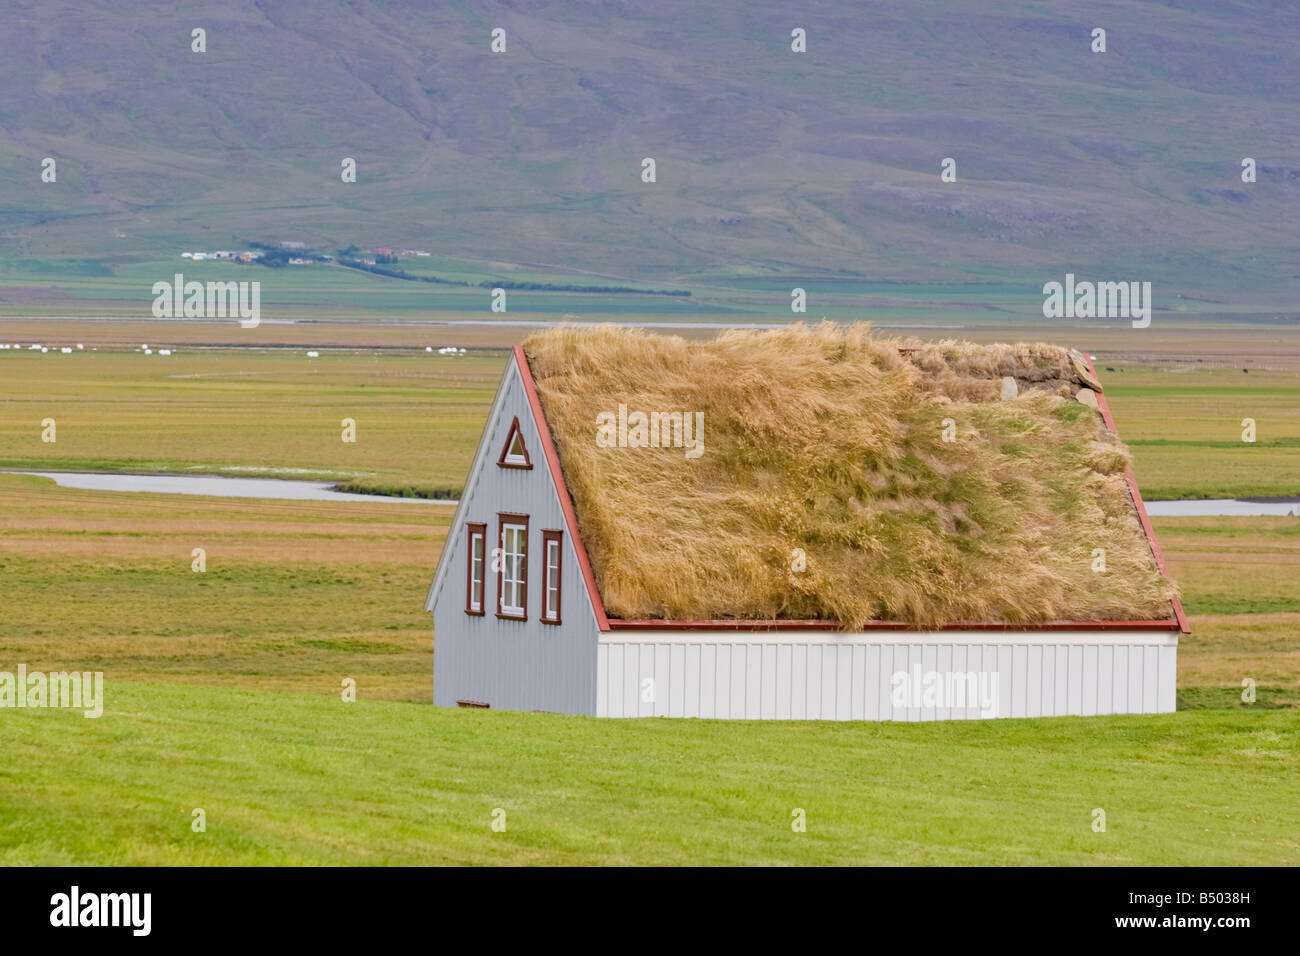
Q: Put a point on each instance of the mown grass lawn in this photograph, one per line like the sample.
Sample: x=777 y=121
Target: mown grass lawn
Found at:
x=287 y=778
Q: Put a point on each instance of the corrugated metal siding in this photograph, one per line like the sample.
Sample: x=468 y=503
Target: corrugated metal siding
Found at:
x=516 y=665
x=811 y=675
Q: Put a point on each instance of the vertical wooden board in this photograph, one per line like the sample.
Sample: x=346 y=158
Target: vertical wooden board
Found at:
x=1006 y=679
x=872 y=706
x=843 y=677
x=858 y=666
x=1105 y=678
x=1063 y=699
x=913 y=654
x=1034 y=681
x=1150 y=679
x=1119 y=685
x=602 y=680
x=956 y=663
x=830 y=655
x=784 y=681
x=884 y=682
x=1169 y=678
x=769 y=680
x=943 y=664
x=930 y=664
x=627 y=679
x=814 y=688
x=897 y=664
x=631 y=680
x=614 y=680
x=722 y=700
x=799 y=682
x=1136 y=679
x=646 y=671
x=754 y=681
x=709 y=680
x=974 y=655
x=691 y=682
x=1075 y=685
x=976 y=659
x=1020 y=680
x=1049 y=681
x=663 y=680
x=1089 y=679
x=739 y=679
x=676 y=679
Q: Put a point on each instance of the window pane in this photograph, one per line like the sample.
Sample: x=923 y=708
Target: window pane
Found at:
x=514 y=542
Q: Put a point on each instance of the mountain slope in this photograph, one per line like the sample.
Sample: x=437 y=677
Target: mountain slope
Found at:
x=769 y=162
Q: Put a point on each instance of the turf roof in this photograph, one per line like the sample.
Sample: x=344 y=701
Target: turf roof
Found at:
x=845 y=477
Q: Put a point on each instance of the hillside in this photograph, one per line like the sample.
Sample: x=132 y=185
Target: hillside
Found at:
x=770 y=164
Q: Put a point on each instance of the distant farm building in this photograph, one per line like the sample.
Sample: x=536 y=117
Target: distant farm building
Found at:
x=807 y=523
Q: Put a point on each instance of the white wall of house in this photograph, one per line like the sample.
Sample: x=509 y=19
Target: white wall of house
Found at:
x=831 y=675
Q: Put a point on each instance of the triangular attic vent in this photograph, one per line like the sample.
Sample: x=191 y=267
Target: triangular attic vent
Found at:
x=515 y=453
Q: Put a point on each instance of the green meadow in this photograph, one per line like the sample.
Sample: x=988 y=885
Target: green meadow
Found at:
x=224 y=693
x=291 y=778
x=249 y=412
x=224 y=685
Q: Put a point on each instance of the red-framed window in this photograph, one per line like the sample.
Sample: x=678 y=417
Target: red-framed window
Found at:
x=552 y=563
x=475 y=568
x=512 y=566
x=514 y=454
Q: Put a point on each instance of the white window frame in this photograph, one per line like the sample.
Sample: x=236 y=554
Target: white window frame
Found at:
x=512 y=578
x=477 y=569
x=552 y=563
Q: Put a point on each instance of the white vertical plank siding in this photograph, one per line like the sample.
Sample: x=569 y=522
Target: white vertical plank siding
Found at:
x=819 y=675
x=1020 y=688
x=708 y=680
x=1135 y=682
x=1034 y=680
x=1168 y=701
x=677 y=680
x=784 y=683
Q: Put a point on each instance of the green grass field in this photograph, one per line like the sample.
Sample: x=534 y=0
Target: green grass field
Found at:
x=224 y=693
x=303 y=779
x=224 y=686
x=1184 y=428
x=277 y=413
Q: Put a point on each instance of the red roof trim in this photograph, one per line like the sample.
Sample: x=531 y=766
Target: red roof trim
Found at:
x=1104 y=407
x=616 y=624
x=566 y=501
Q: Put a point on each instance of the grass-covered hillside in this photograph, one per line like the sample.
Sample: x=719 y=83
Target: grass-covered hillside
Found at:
x=770 y=163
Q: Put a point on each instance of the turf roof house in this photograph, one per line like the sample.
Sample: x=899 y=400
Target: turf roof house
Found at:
x=909 y=630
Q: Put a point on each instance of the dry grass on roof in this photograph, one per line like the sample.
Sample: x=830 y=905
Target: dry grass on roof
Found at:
x=829 y=442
